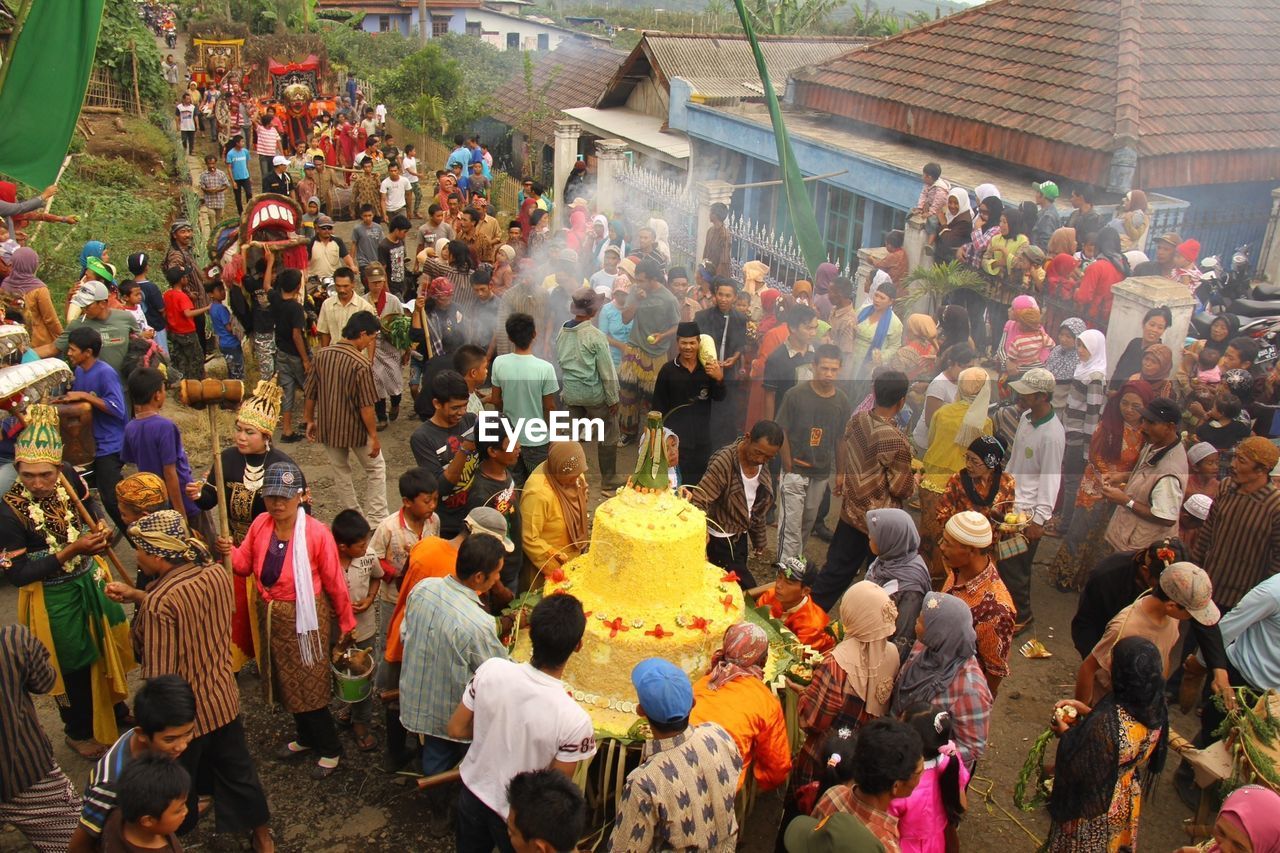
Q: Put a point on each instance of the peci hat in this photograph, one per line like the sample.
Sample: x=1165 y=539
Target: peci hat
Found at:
x=40 y=440
x=664 y=690
x=91 y=292
x=1188 y=585
x=1162 y=410
x=1037 y=380
x=487 y=521
x=969 y=528
x=1048 y=189
x=1198 y=506
x=262 y=410
x=283 y=480
x=688 y=329
x=1199 y=452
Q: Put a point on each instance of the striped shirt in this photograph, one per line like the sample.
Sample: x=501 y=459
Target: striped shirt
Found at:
x=877 y=467
x=100 y=793
x=447 y=635
x=1239 y=545
x=1084 y=409
x=26 y=756
x=266 y=141
x=723 y=497
x=184 y=628
x=341 y=384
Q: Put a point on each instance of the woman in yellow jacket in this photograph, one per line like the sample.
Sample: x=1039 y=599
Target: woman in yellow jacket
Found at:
x=553 y=509
x=1001 y=252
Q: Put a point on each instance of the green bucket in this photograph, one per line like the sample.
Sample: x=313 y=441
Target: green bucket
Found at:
x=352 y=687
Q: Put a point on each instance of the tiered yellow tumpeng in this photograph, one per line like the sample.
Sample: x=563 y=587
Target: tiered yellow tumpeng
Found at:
x=647 y=588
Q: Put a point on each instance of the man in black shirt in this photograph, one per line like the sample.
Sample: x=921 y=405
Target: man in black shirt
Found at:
x=279 y=181
x=727 y=328
x=493 y=486
x=1084 y=218
x=791 y=362
x=293 y=361
x=1162 y=263
x=446 y=446
x=683 y=392
x=392 y=252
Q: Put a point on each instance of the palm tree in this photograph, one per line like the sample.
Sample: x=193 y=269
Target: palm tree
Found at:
x=937 y=281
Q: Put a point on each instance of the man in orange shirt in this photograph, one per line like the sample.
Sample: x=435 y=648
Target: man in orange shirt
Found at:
x=790 y=597
x=432 y=557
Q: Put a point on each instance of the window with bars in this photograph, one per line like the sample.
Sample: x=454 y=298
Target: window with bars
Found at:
x=842 y=224
x=384 y=23
x=439 y=26
x=473 y=28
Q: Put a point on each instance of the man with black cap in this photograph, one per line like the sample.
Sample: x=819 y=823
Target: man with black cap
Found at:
x=327 y=252
x=684 y=392
x=590 y=383
x=1148 y=504
x=152 y=298
x=681 y=796
x=279 y=181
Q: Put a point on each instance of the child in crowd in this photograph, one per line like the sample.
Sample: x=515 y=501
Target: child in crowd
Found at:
x=895 y=261
x=364 y=576
x=309 y=218
x=223 y=328
x=1087 y=254
x=935 y=807
x=790 y=598
x=1063 y=360
x=1209 y=372
x=179 y=314
x=473 y=364
x=153 y=804
x=395 y=537
x=98 y=384
x=153 y=443
x=1224 y=429
x=837 y=769
x=1185 y=267
x=1026 y=343
x=165 y=711
x=131 y=298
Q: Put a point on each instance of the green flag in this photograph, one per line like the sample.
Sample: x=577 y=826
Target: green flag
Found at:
x=42 y=86
x=803 y=219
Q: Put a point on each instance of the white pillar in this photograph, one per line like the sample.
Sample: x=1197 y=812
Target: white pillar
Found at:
x=1269 y=258
x=611 y=157
x=566 y=152
x=708 y=193
x=913 y=241
x=1132 y=298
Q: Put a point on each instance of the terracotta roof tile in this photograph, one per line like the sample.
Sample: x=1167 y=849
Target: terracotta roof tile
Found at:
x=1183 y=76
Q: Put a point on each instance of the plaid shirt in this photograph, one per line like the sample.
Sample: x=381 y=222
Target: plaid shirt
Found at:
x=840 y=798
x=214 y=184
x=993 y=616
x=877 y=468
x=825 y=705
x=969 y=700
x=447 y=635
x=681 y=796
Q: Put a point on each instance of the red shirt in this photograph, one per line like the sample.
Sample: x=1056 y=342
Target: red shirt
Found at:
x=176 y=302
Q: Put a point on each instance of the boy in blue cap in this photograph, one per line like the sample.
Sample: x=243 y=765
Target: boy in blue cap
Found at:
x=681 y=796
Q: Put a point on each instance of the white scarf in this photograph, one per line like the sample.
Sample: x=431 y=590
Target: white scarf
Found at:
x=306 y=622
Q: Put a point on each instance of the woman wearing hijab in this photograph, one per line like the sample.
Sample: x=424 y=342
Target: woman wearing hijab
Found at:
x=599 y=235
x=733 y=695
x=1248 y=822
x=896 y=545
x=553 y=508
x=957 y=226
x=919 y=351
x=823 y=278
x=877 y=335
x=1085 y=398
x=23 y=290
x=855 y=680
x=1114 y=446
x=661 y=239
x=1110 y=755
x=1063 y=360
x=952 y=429
x=1024 y=343
x=981 y=486
x=985 y=226
x=1108 y=268
x=943 y=670
x=93 y=249
x=1156 y=366
x=1132 y=222
x=1154 y=324
x=300 y=585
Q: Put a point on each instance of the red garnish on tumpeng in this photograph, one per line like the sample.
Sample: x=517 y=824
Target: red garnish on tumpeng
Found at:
x=555 y=574
x=697 y=623
x=658 y=633
x=727 y=601
x=586 y=614
x=615 y=626
x=731 y=576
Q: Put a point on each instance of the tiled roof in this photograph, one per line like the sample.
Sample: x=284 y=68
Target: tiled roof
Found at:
x=573 y=76
x=1058 y=85
x=720 y=66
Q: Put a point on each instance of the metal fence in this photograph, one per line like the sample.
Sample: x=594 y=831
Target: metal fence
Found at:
x=503 y=189
x=649 y=195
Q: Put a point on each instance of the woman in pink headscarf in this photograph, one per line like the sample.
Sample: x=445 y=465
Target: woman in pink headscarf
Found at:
x=733 y=695
x=1249 y=821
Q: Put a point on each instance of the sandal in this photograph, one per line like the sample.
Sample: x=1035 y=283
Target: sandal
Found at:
x=253 y=843
x=89 y=750
x=292 y=437
x=367 y=743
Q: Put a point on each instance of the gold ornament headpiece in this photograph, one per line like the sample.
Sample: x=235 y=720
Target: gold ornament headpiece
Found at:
x=262 y=410
x=40 y=440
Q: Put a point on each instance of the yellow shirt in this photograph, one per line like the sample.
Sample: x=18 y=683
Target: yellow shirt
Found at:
x=542 y=529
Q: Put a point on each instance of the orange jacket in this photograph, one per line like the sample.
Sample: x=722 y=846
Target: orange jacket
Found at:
x=748 y=711
x=809 y=622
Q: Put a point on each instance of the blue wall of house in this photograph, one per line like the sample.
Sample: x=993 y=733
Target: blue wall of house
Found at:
x=1225 y=216
x=407 y=23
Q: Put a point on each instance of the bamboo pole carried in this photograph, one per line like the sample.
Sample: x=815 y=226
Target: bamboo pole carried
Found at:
x=95 y=524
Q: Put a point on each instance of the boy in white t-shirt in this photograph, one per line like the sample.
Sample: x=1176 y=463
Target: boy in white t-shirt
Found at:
x=364 y=576
x=409 y=168
x=520 y=717
x=395 y=190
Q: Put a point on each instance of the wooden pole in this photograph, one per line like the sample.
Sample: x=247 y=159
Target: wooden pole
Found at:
x=93 y=524
x=220 y=484
x=137 y=98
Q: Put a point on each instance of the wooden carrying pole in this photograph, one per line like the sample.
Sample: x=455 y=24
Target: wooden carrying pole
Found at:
x=209 y=394
x=93 y=523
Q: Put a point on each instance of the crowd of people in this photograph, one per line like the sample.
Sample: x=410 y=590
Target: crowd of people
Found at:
x=953 y=446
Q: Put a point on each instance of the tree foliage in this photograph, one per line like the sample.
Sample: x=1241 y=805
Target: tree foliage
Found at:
x=121 y=25
x=425 y=74
x=787 y=17
x=363 y=54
